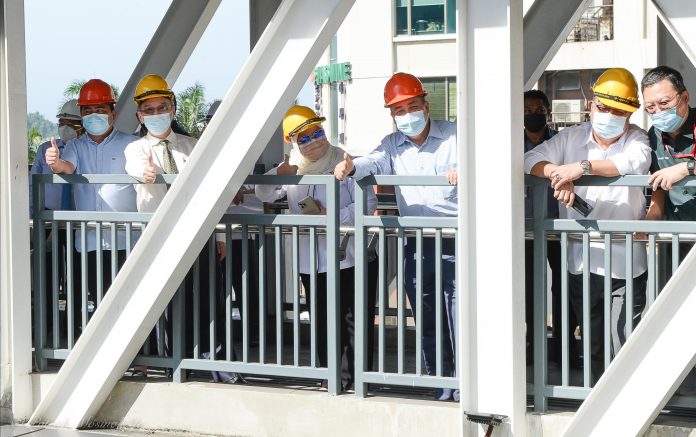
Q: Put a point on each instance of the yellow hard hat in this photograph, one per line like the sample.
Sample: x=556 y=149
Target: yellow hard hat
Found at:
x=299 y=118
x=152 y=85
x=618 y=89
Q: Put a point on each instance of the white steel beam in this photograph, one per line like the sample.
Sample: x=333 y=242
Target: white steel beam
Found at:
x=491 y=345
x=15 y=285
x=169 y=50
x=679 y=17
x=648 y=368
x=248 y=115
x=547 y=23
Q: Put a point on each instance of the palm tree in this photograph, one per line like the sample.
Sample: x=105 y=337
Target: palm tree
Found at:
x=191 y=109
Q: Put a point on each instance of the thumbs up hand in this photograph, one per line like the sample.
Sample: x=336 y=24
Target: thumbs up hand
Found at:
x=344 y=168
x=52 y=153
x=285 y=169
x=149 y=172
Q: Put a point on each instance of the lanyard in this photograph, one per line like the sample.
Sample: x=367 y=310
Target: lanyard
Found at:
x=691 y=155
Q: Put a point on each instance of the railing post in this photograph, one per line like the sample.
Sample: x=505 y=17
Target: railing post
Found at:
x=360 y=290
x=540 y=290
x=333 y=274
x=38 y=195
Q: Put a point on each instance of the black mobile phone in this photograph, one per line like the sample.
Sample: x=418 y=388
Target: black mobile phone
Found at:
x=581 y=206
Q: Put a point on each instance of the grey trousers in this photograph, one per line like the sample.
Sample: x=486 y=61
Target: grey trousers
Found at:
x=618 y=314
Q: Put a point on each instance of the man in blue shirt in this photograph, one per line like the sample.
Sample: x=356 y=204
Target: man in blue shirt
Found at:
x=56 y=197
x=99 y=151
x=420 y=147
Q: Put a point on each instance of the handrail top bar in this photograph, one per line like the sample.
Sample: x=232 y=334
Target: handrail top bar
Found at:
x=616 y=181
x=170 y=178
x=414 y=180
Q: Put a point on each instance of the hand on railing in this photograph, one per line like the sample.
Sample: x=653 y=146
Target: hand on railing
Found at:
x=452 y=176
x=667 y=177
x=149 y=172
x=344 y=168
x=285 y=169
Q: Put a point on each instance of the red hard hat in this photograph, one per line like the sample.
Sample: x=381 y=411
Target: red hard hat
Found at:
x=402 y=86
x=96 y=92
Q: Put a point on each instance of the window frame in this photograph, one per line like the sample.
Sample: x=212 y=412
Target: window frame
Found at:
x=409 y=17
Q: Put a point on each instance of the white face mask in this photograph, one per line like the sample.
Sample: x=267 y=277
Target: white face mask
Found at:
x=67 y=133
x=411 y=124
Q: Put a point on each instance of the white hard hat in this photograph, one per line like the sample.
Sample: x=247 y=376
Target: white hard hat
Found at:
x=70 y=111
x=211 y=111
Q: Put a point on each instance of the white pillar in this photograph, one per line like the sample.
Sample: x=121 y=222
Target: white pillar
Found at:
x=491 y=294
x=15 y=285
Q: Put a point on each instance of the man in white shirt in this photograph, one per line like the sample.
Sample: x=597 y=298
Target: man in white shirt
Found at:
x=606 y=146
x=163 y=151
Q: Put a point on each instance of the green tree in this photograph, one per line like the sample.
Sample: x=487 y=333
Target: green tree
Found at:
x=191 y=109
x=45 y=127
x=34 y=140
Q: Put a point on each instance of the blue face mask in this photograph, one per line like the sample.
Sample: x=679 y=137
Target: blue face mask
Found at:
x=96 y=124
x=158 y=124
x=411 y=124
x=666 y=121
x=608 y=125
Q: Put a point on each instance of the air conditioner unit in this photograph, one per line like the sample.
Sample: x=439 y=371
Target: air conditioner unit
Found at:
x=567 y=111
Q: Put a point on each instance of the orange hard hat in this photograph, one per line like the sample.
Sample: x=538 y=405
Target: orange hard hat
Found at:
x=96 y=92
x=402 y=86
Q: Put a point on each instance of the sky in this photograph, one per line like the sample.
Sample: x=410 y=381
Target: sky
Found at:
x=84 y=39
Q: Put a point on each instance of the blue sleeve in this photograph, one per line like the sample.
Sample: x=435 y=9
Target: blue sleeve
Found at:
x=377 y=162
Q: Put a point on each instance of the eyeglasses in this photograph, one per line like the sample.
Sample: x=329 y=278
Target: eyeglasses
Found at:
x=304 y=139
x=662 y=105
x=154 y=110
x=603 y=108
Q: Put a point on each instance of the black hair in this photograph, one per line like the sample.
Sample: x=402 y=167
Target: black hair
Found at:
x=661 y=73
x=538 y=95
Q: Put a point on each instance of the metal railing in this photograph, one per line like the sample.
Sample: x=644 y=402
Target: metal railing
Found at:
x=438 y=229
x=572 y=384
x=268 y=227
x=268 y=297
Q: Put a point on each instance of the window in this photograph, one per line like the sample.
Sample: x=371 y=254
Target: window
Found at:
x=596 y=23
x=425 y=17
x=568 y=81
x=442 y=96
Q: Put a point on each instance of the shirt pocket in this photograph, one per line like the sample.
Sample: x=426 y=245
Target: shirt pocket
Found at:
x=117 y=164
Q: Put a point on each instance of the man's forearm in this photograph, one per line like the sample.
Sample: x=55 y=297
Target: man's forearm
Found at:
x=542 y=169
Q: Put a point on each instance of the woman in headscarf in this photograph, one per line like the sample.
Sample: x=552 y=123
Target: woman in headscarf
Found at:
x=312 y=154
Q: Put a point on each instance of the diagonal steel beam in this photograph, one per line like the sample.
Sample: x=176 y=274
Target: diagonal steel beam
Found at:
x=15 y=313
x=168 y=51
x=547 y=23
x=648 y=368
x=679 y=17
x=249 y=114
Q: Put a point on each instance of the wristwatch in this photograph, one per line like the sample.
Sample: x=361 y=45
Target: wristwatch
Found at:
x=586 y=167
x=690 y=166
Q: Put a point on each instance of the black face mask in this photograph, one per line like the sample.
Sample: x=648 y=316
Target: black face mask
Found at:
x=534 y=122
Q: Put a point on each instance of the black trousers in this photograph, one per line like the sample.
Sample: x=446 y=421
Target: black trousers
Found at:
x=252 y=273
x=618 y=313
x=91 y=284
x=553 y=255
